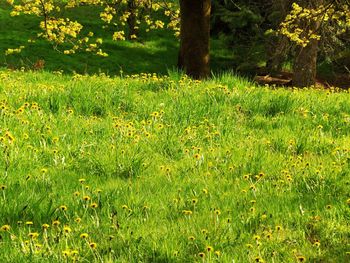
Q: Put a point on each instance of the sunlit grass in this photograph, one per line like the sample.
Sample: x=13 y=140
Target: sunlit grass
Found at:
x=151 y=168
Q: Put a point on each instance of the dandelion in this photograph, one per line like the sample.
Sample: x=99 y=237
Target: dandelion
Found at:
x=94 y=205
x=187 y=212
x=3 y=187
x=67 y=229
x=66 y=253
x=317 y=243
x=301 y=258
x=205 y=191
x=209 y=248
x=197 y=156
x=5 y=228
x=201 y=255
x=191 y=238
x=29 y=223
x=124 y=207
x=93 y=245
x=56 y=223
x=84 y=235
x=78 y=220
x=82 y=180
x=43 y=170
x=258 y=259
x=86 y=198
x=194 y=201
x=348 y=201
x=278 y=228
x=76 y=193
x=63 y=208
x=33 y=235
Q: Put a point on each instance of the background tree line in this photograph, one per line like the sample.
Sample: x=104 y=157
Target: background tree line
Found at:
x=265 y=34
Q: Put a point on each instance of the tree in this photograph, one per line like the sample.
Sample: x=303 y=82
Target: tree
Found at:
x=194 y=37
x=304 y=26
x=125 y=17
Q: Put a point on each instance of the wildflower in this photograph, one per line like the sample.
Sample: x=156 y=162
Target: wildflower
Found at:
x=5 y=228
x=66 y=253
x=45 y=226
x=76 y=193
x=82 y=180
x=67 y=229
x=278 y=228
x=258 y=259
x=125 y=207
x=249 y=246
x=29 y=223
x=33 y=235
x=63 y=208
x=78 y=220
x=43 y=170
x=84 y=236
x=86 y=198
x=197 y=156
x=194 y=201
x=56 y=223
x=205 y=191
x=201 y=254
x=217 y=212
x=348 y=201
x=301 y=258
x=209 y=248
x=317 y=244
x=94 y=205
x=328 y=206
x=3 y=187
x=191 y=238
x=93 y=245
x=187 y=212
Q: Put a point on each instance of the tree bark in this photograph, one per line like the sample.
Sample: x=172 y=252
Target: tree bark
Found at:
x=132 y=8
x=305 y=62
x=194 y=38
x=305 y=65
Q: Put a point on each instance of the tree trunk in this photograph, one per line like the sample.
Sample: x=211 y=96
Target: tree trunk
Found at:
x=132 y=8
x=305 y=62
x=194 y=38
x=305 y=65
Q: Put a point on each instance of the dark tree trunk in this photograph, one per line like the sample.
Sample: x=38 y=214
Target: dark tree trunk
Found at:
x=305 y=65
x=305 y=62
x=194 y=38
x=132 y=8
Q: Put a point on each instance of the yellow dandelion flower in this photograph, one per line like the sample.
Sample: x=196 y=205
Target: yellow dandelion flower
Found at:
x=209 y=248
x=86 y=198
x=82 y=180
x=45 y=226
x=301 y=258
x=3 y=187
x=66 y=253
x=94 y=205
x=43 y=170
x=67 y=229
x=93 y=245
x=191 y=238
x=63 y=208
x=201 y=255
x=84 y=235
x=33 y=235
x=78 y=220
x=29 y=223
x=5 y=228
x=56 y=223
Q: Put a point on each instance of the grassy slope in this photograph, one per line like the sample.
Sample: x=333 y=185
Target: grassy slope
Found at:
x=249 y=171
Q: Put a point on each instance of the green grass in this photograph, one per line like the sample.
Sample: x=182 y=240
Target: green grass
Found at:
x=176 y=168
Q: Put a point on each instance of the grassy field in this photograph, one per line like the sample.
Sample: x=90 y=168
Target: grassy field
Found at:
x=151 y=168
